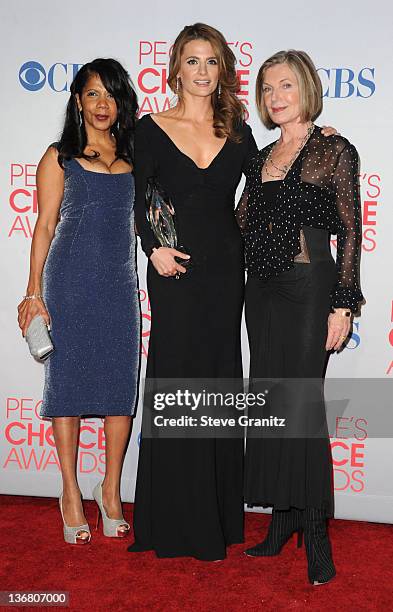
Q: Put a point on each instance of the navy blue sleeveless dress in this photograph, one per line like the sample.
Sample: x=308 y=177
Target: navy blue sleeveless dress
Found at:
x=91 y=292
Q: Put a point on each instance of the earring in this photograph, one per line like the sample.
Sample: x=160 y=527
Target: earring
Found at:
x=80 y=118
x=219 y=89
x=177 y=84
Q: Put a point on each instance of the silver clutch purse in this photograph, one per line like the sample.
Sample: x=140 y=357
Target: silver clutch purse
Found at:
x=38 y=339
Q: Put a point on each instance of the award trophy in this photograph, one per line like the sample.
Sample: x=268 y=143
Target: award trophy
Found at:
x=161 y=216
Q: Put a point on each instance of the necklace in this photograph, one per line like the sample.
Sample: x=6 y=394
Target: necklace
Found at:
x=284 y=170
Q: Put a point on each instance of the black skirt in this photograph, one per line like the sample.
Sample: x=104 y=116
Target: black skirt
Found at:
x=286 y=320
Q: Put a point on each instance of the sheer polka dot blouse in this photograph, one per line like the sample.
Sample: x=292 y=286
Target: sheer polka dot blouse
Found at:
x=321 y=191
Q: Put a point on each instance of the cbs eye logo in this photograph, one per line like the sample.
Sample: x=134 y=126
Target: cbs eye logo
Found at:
x=33 y=76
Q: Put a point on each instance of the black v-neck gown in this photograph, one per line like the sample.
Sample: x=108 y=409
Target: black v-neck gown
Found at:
x=189 y=493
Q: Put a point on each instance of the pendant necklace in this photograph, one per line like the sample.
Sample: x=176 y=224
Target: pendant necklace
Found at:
x=284 y=170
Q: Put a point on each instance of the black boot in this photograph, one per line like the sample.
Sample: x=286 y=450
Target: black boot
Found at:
x=283 y=524
x=319 y=555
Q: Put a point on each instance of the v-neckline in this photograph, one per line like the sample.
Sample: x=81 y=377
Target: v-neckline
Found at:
x=185 y=154
x=293 y=165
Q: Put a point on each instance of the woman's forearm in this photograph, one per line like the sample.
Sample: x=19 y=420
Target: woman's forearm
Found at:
x=42 y=238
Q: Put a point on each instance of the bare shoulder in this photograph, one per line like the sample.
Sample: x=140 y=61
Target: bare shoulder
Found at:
x=49 y=171
x=168 y=117
x=49 y=161
x=166 y=114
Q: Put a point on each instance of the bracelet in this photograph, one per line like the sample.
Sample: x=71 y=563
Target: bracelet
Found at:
x=32 y=297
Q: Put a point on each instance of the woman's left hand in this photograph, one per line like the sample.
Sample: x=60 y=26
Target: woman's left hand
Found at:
x=327 y=130
x=339 y=326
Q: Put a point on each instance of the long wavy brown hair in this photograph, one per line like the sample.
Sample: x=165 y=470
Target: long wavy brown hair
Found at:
x=228 y=111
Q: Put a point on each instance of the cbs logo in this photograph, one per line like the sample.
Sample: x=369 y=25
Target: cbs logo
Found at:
x=345 y=82
x=33 y=76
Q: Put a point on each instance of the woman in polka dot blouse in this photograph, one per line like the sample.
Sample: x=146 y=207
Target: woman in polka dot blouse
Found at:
x=299 y=301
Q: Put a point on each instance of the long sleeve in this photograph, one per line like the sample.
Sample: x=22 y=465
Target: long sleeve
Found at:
x=251 y=148
x=144 y=169
x=347 y=292
x=241 y=208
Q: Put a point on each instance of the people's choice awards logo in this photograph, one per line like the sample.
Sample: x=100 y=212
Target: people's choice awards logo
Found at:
x=22 y=200
x=371 y=188
x=33 y=76
x=30 y=442
x=349 y=454
x=371 y=192
x=153 y=60
x=146 y=321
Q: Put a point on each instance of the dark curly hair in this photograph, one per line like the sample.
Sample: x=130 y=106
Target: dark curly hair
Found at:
x=117 y=82
x=228 y=111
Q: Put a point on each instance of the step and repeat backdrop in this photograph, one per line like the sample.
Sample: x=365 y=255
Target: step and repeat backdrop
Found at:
x=44 y=45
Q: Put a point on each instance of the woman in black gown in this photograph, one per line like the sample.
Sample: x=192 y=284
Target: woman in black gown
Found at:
x=189 y=494
x=299 y=190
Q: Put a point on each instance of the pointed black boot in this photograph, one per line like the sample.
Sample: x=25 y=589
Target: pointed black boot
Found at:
x=283 y=525
x=319 y=554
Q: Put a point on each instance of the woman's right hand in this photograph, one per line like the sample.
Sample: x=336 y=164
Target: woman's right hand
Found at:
x=28 y=309
x=163 y=259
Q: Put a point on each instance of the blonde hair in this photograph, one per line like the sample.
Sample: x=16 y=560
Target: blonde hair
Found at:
x=228 y=111
x=310 y=86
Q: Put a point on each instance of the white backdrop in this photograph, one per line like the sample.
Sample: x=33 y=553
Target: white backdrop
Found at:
x=43 y=45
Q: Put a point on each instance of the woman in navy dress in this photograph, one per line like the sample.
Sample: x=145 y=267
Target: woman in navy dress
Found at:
x=83 y=280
